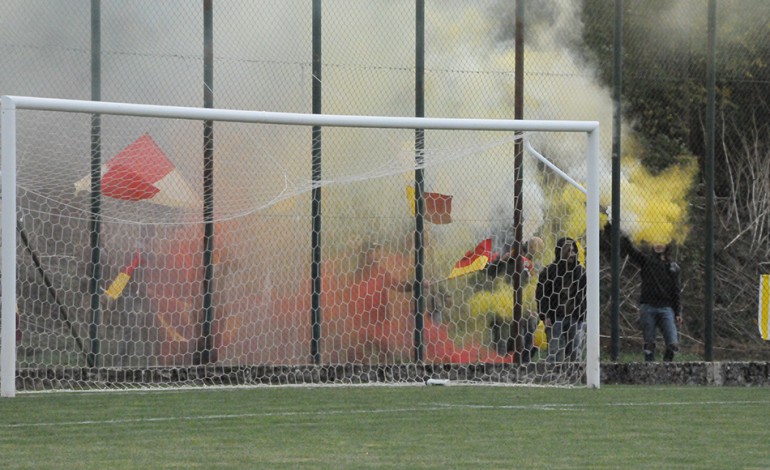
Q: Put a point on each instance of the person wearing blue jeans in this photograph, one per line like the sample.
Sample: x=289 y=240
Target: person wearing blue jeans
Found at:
x=566 y=339
x=660 y=309
x=653 y=319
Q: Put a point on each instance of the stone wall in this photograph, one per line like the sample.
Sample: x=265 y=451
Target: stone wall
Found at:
x=742 y=374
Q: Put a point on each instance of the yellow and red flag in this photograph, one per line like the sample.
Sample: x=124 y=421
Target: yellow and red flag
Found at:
x=120 y=282
x=438 y=207
x=142 y=172
x=475 y=260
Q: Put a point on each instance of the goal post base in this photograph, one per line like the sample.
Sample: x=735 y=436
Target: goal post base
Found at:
x=533 y=374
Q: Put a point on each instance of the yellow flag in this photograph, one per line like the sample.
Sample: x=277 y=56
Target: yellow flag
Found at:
x=120 y=282
x=764 y=306
x=540 y=339
x=117 y=286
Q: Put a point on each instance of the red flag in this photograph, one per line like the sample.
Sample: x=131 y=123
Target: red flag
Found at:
x=120 y=282
x=474 y=260
x=438 y=207
x=142 y=172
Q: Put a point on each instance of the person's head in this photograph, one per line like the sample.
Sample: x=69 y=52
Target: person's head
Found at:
x=369 y=255
x=535 y=246
x=374 y=253
x=566 y=250
x=662 y=250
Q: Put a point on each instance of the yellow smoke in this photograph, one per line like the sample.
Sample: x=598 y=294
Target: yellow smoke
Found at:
x=654 y=207
x=572 y=204
x=499 y=301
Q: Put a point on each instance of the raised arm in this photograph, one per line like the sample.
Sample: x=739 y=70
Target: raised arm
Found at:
x=626 y=247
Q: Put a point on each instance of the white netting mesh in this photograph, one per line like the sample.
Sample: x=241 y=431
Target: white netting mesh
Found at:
x=151 y=321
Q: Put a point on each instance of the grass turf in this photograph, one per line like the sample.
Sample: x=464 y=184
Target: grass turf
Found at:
x=396 y=427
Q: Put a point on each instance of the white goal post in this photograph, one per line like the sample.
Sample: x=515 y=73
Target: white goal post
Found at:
x=10 y=105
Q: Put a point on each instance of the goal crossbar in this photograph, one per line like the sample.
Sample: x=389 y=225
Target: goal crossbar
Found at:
x=10 y=104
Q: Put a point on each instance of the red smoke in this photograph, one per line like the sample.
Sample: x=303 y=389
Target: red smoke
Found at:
x=367 y=317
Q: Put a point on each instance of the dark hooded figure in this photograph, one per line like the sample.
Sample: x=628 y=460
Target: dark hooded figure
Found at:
x=659 y=303
x=561 y=302
x=659 y=307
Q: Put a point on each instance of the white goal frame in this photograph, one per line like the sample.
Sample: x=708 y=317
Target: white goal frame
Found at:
x=9 y=224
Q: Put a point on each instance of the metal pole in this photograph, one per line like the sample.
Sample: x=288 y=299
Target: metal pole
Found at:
x=709 y=169
x=298 y=119
x=419 y=181
x=315 y=267
x=593 y=372
x=8 y=234
x=617 y=82
x=207 y=339
x=95 y=222
x=518 y=172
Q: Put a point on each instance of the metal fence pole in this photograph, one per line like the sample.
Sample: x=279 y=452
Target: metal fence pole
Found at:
x=315 y=269
x=617 y=83
x=207 y=339
x=419 y=148
x=709 y=169
x=518 y=171
x=96 y=186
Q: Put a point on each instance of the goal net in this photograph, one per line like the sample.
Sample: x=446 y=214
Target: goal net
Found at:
x=168 y=247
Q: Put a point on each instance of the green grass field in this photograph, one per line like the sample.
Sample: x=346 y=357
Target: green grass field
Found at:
x=394 y=427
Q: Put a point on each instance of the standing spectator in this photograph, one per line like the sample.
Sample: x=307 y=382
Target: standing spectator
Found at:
x=508 y=335
x=561 y=302
x=659 y=307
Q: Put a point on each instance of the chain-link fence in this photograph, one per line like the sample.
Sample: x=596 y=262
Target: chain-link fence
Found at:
x=153 y=52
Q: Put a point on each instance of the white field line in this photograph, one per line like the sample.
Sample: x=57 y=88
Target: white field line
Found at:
x=434 y=407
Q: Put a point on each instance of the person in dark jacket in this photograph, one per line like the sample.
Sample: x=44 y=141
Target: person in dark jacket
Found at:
x=659 y=307
x=561 y=302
